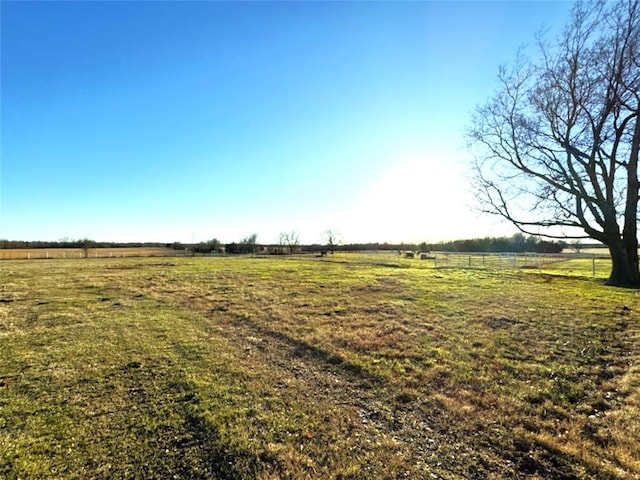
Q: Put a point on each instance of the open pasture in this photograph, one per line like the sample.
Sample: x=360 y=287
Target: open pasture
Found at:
x=351 y=366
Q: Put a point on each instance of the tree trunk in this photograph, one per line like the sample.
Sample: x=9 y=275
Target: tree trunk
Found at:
x=624 y=264
x=625 y=260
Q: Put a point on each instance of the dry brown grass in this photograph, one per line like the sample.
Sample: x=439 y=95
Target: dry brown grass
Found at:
x=347 y=367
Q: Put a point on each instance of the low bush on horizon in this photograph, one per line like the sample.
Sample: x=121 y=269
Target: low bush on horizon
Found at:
x=351 y=366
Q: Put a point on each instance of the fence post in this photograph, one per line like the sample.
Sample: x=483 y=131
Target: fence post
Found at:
x=593 y=264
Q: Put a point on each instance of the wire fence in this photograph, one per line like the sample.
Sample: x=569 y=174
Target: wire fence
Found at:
x=592 y=264
x=576 y=264
x=69 y=253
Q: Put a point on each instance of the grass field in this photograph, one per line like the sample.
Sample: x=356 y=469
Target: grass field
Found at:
x=347 y=367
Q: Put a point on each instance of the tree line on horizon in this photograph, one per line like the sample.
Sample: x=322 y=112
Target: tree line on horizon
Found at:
x=70 y=243
x=517 y=243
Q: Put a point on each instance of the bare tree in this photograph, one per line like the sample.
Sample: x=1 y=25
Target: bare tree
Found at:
x=576 y=245
x=282 y=242
x=556 y=149
x=291 y=240
x=249 y=244
x=86 y=244
x=332 y=240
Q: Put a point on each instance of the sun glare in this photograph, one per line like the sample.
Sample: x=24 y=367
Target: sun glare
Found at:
x=416 y=199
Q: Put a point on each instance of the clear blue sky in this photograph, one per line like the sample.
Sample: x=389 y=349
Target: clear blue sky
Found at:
x=163 y=121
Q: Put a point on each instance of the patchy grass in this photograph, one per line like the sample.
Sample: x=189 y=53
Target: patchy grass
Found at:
x=348 y=367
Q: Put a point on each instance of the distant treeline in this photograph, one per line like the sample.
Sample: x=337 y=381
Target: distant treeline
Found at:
x=81 y=243
x=517 y=243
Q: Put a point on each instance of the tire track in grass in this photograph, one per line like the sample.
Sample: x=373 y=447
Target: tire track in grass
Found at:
x=383 y=422
x=370 y=411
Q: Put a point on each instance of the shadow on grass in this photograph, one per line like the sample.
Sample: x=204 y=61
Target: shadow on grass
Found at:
x=163 y=432
x=306 y=351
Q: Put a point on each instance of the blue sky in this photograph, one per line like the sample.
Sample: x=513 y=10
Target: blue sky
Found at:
x=184 y=121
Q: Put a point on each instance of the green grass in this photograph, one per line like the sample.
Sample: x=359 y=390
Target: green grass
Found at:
x=353 y=366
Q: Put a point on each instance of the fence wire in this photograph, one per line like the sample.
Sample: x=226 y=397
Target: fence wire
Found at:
x=596 y=265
